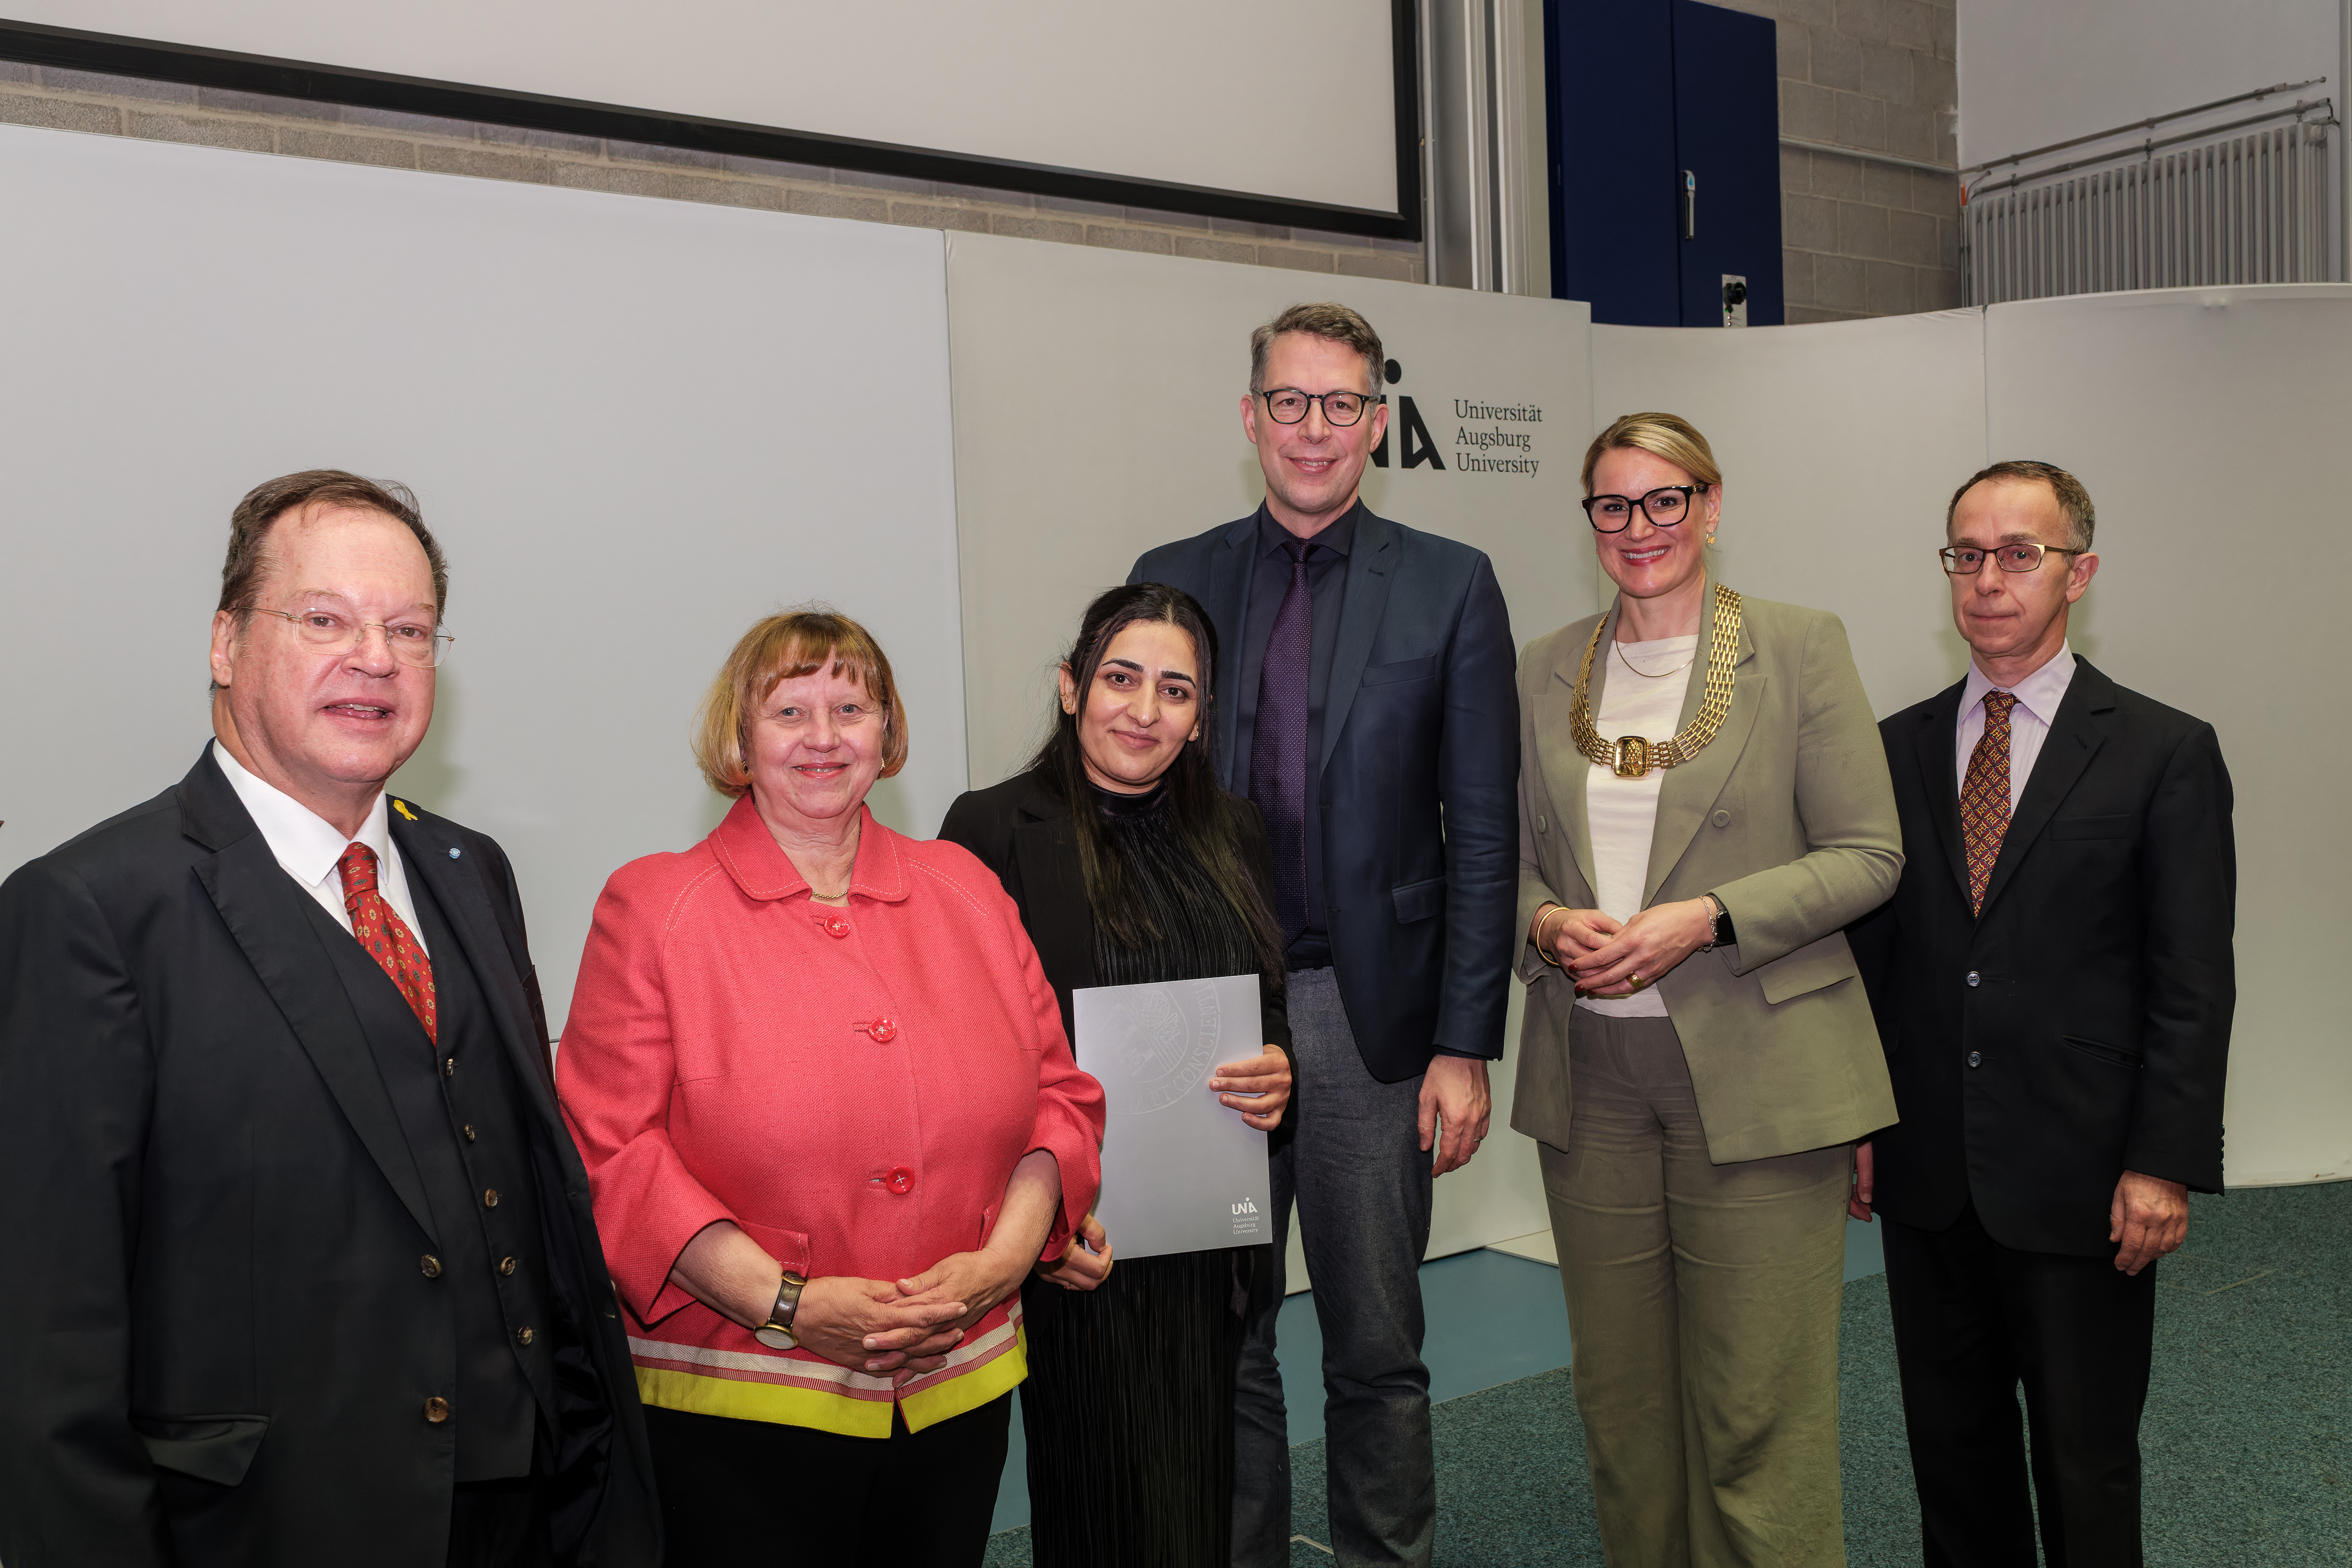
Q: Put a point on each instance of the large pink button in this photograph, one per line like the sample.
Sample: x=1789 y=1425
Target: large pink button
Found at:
x=902 y=1180
x=882 y=1030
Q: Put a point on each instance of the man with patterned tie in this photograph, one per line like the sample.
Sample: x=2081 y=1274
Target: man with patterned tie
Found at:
x=305 y=1270
x=1365 y=702
x=2053 y=986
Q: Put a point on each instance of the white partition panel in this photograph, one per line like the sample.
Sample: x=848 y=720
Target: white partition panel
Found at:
x=636 y=426
x=2208 y=425
x=1840 y=445
x=1097 y=413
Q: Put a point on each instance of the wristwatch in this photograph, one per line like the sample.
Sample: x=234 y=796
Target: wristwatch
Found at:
x=1721 y=933
x=776 y=1333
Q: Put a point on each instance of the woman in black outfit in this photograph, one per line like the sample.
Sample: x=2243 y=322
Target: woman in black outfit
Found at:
x=1130 y=864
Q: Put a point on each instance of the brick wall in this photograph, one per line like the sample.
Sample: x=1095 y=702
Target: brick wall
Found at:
x=167 y=111
x=1863 y=238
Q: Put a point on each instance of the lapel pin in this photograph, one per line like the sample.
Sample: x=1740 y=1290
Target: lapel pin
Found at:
x=402 y=806
x=454 y=852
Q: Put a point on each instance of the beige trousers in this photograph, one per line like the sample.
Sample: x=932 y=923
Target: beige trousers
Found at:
x=1703 y=1312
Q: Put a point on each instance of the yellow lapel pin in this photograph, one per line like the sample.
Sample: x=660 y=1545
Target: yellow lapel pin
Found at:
x=402 y=806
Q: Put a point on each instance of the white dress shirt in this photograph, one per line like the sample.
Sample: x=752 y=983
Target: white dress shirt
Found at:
x=1622 y=815
x=2038 y=696
x=307 y=846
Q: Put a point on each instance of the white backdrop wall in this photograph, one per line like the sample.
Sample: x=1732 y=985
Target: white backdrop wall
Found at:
x=1099 y=412
x=2206 y=424
x=635 y=426
x=1192 y=94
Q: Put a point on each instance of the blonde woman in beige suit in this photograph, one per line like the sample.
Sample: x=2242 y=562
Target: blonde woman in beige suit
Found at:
x=1704 y=803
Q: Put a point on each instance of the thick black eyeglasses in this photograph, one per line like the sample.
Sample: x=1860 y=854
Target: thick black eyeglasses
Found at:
x=1664 y=507
x=1967 y=561
x=1288 y=405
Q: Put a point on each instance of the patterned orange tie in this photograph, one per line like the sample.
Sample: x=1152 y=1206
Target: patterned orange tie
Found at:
x=1984 y=797
x=383 y=932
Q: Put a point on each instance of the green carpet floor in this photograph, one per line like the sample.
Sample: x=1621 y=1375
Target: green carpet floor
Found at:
x=2248 y=1435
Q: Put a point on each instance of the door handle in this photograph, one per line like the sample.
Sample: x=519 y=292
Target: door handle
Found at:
x=1690 y=204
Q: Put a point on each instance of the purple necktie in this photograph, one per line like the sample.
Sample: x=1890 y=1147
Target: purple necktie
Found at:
x=1278 y=781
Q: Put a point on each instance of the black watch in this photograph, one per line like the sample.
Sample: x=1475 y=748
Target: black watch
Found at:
x=1722 y=935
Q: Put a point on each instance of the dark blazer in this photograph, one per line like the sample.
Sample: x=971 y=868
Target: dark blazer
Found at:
x=1418 y=779
x=1020 y=830
x=2080 y=1028
x=219 y=1339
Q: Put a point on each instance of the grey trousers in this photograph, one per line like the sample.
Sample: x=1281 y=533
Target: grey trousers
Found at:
x=1703 y=1306
x=1355 y=1165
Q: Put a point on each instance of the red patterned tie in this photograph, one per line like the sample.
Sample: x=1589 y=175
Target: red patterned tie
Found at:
x=1984 y=797
x=383 y=932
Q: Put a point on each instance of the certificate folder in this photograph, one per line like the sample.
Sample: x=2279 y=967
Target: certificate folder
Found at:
x=1182 y=1170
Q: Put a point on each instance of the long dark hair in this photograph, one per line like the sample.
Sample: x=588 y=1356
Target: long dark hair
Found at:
x=1207 y=819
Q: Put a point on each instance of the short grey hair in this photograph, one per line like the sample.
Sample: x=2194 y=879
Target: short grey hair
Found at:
x=1333 y=324
x=2073 y=499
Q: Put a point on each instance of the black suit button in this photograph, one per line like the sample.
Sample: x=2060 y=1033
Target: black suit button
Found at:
x=522 y=1336
x=469 y=1133
x=437 y=1410
x=1973 y=977
x=1975 y=1058
x=506 y=1266
x=449 y=1067
x=431 y=1265
x=491 y=1198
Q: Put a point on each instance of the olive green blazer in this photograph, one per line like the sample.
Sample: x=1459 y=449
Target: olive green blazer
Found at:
x=1788 y=816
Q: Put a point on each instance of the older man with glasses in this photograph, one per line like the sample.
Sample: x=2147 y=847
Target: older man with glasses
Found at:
x=305 y=1270
x=2053 y=985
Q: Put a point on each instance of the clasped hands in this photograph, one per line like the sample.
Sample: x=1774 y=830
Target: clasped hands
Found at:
x=1602 y=955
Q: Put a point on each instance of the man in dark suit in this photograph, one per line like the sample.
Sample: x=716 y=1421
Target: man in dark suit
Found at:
x=1364 y=700
x=304 y=1266
x=2053 y=983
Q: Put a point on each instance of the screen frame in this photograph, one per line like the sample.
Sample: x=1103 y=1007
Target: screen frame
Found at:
x=111 y=54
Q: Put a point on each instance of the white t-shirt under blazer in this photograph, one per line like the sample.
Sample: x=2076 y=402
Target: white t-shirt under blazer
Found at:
x=1622 y=815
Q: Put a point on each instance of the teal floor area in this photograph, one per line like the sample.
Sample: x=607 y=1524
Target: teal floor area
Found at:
x=1492 y=1318
x=2247 y=1436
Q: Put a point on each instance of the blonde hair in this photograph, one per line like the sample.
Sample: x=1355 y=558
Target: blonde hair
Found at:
x=1667 y=435
x=785 y=647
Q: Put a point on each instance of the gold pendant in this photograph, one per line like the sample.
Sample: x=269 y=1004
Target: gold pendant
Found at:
x=1633 y=759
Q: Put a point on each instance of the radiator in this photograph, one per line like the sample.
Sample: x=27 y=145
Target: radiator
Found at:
x=2253 y=209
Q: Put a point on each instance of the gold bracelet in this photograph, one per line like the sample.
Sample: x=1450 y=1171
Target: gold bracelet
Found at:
x=1541 y=951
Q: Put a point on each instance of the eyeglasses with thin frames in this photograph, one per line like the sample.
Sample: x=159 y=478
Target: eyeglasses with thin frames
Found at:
x=325 y=630
x=1287 y=404
x=1966 y=560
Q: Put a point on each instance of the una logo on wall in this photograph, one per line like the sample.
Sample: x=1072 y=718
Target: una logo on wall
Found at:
x=1490 y=437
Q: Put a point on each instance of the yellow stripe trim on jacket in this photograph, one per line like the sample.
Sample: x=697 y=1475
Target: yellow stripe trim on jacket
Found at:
x=787 y=1406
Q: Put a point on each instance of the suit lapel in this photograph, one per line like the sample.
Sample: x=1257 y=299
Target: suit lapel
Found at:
x=1689 y=790
x=1933 y=744
x=1227 y=604
x=1371 y=563
x=2076 y=733
x=258 y=903
x=1053 y=892
x=457 y=886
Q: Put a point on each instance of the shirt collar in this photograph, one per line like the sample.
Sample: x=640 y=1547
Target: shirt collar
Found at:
x=1339 y=535
x=2039 y=693
x=306 y=845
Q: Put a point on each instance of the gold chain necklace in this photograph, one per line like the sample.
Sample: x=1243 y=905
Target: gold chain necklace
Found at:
x=1633 y=756
x=1625 y=659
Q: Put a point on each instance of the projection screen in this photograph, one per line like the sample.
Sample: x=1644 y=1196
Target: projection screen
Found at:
x=1301 y=113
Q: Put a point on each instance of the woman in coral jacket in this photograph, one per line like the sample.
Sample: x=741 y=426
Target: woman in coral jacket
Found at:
x=831 y=1120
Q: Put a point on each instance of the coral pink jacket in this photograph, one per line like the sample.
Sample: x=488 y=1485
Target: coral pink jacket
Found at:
x=852 y=1086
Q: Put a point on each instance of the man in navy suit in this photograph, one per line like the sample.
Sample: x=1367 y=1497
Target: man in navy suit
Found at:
x=1364 y=701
